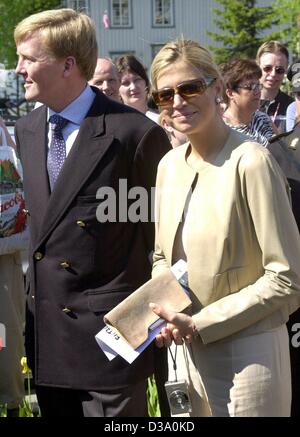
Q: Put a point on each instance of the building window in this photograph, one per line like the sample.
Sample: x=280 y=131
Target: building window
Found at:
x=163 y=13
x=155 y=49
x=120 y=13
x=78 y=5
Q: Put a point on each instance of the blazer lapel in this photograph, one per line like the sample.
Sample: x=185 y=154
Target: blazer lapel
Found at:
x=35 y=151
x=179 y=195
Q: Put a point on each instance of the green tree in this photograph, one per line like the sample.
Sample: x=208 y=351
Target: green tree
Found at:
x=11 y=12
x=288 y=12
x=243 y=26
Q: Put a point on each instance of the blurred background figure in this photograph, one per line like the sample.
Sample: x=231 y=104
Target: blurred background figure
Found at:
x=293 y=110
x=286 y=149
x=176 y=138
x=273 y=59
x=106 y=78
x=242 y=98
x=135 y=85
x=12 y=310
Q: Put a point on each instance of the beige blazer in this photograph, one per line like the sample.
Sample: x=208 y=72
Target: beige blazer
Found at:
x=242 y=242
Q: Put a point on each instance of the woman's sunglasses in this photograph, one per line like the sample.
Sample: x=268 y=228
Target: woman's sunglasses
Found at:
x=255 y=87
x=190 y=88
x=269 y=68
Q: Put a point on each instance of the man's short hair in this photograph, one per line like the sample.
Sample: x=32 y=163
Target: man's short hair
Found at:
x=64 y=32
x=272 y=47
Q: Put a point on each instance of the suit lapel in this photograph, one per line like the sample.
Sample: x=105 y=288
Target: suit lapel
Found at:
x=88 y=149
x=179 y=195
x=35 y=151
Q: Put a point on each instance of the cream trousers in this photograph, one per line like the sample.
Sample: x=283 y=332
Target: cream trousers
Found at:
x=248 y=376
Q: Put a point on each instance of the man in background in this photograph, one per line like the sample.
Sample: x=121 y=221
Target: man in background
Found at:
x=273 y=59
x=107 y=79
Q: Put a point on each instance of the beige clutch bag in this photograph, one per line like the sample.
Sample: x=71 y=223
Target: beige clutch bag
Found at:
x=133 y=317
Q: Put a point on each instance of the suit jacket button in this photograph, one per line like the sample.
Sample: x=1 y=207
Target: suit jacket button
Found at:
x=38 y=256
x=65 y=265
x=66 y=310
x=81 y=224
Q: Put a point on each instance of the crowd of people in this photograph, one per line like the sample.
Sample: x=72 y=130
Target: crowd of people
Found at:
x=221 y=146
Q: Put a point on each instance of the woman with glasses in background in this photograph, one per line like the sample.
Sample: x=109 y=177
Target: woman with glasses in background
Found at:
x=242 y=98
x=222 y=205
x=273 y=59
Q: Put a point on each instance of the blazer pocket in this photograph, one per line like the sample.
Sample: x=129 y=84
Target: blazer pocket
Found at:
x=230 y=281
x=105 y=300
x=87 y=200
x=221 y=286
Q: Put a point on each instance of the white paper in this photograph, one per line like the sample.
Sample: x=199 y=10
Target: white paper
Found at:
x=113 y=343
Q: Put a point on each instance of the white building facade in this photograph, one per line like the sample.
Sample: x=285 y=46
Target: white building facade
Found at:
x=141 y=27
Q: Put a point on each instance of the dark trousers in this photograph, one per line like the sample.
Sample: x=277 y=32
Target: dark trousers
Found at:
x=161 y=376
x=61 y=402
x=293 y=326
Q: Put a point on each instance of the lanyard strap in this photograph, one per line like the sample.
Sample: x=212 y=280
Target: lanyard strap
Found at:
x=174 y=360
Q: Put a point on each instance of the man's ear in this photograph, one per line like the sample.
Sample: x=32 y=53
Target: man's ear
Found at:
x=70 y=63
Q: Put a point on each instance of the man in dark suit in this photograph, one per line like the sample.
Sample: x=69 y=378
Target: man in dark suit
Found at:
x=285 y=148
x=81 y=266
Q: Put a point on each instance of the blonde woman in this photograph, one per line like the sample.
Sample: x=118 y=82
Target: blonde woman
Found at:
x=223 y=205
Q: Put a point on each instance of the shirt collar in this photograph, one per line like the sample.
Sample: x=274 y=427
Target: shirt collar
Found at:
x=76 y=111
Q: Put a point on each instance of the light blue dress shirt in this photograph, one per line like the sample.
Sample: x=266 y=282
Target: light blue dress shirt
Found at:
x=75 y=112
x=290 y=116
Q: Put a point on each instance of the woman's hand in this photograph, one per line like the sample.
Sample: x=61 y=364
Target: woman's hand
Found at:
x=179 y=327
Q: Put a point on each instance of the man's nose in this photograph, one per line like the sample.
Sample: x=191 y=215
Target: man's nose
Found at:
x=105 y=85
x=19 y=67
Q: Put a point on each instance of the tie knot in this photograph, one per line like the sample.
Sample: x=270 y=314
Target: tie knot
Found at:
x=57 y=122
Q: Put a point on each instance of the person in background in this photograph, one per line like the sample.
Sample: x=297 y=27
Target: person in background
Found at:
x=106 y=78
x=291 y=114
x=135 y=85
x=82 y=263
x=242 y=98
x=223 y=205
x=176 y=138
x=293 y=110
x=286 y=150
x=12 y=316
x=273 y=59
x=9 y=139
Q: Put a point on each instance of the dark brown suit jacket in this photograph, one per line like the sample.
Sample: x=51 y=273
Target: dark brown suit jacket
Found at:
x=104 y=262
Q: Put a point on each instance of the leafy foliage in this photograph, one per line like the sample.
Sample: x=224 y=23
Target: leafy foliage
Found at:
x=11 y=13
x=152 y=398
x=288 y=12
x=243 y=26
